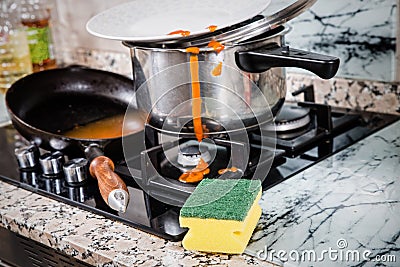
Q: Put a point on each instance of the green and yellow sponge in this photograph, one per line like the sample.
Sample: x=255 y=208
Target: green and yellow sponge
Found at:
x=221 y=215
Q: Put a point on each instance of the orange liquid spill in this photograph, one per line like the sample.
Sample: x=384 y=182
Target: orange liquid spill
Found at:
x=217 y=70
x=181 y=32
x=193 y=50
x=196 y=97
x=222 y=171
x=197 y=174
x=212 y=28
x=217 y=46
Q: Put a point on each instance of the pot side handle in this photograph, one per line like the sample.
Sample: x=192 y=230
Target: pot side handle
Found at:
x=262 y=59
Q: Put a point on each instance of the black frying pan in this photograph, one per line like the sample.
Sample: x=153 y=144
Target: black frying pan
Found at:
x=45 y=104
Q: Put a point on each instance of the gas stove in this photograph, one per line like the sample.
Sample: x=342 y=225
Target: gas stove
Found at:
x=306 y=133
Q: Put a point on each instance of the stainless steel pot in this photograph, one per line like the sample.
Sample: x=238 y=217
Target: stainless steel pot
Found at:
x=250 y=90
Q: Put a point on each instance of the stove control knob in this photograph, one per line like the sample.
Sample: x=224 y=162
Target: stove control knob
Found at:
x=27 y=156
x=75 y=171
x=52 y=163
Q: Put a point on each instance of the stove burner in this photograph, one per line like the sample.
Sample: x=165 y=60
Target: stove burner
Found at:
x=290 y=118
x=189 y=156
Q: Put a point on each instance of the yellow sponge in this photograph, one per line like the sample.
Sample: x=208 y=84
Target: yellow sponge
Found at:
x=221 y=215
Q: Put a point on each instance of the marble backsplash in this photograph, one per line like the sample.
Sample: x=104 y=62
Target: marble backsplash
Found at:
x=361 y=32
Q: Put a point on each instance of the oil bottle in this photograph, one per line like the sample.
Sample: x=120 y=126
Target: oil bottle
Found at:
x=35 y=16
x=15 y=61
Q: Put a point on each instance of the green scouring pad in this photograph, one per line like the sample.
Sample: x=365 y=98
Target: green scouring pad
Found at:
x=221 y=215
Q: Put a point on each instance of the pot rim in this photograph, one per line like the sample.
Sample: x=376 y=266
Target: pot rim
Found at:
x=284 y=29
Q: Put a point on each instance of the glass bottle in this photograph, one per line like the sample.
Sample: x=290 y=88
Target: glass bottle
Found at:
x=35 y=16
x=15 y=61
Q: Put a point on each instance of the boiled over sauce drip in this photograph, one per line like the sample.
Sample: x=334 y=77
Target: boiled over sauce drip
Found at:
x=197 y=174
x=217 y=70
x=217 y=46
x=212 y=28
x=196 y=98
x=181 y=32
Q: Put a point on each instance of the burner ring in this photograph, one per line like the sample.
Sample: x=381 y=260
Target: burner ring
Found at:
x=189 y=156
x=290 y=118
x=292 y=125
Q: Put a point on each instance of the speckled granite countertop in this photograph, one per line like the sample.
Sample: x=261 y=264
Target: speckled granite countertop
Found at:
x=95 y=239
x=354 y=196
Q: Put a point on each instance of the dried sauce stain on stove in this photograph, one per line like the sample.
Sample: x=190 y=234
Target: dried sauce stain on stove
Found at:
x=222 y=171
x=197 y=174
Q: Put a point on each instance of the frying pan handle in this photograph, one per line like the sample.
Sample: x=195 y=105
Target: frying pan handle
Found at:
x=112 y=187
x=262 y=59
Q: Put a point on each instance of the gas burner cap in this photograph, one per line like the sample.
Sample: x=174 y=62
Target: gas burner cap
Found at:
x=190 y=155
x=290 y=118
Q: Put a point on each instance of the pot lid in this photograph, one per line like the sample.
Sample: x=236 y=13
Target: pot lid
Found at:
x=274 y=16
x=150 y=21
